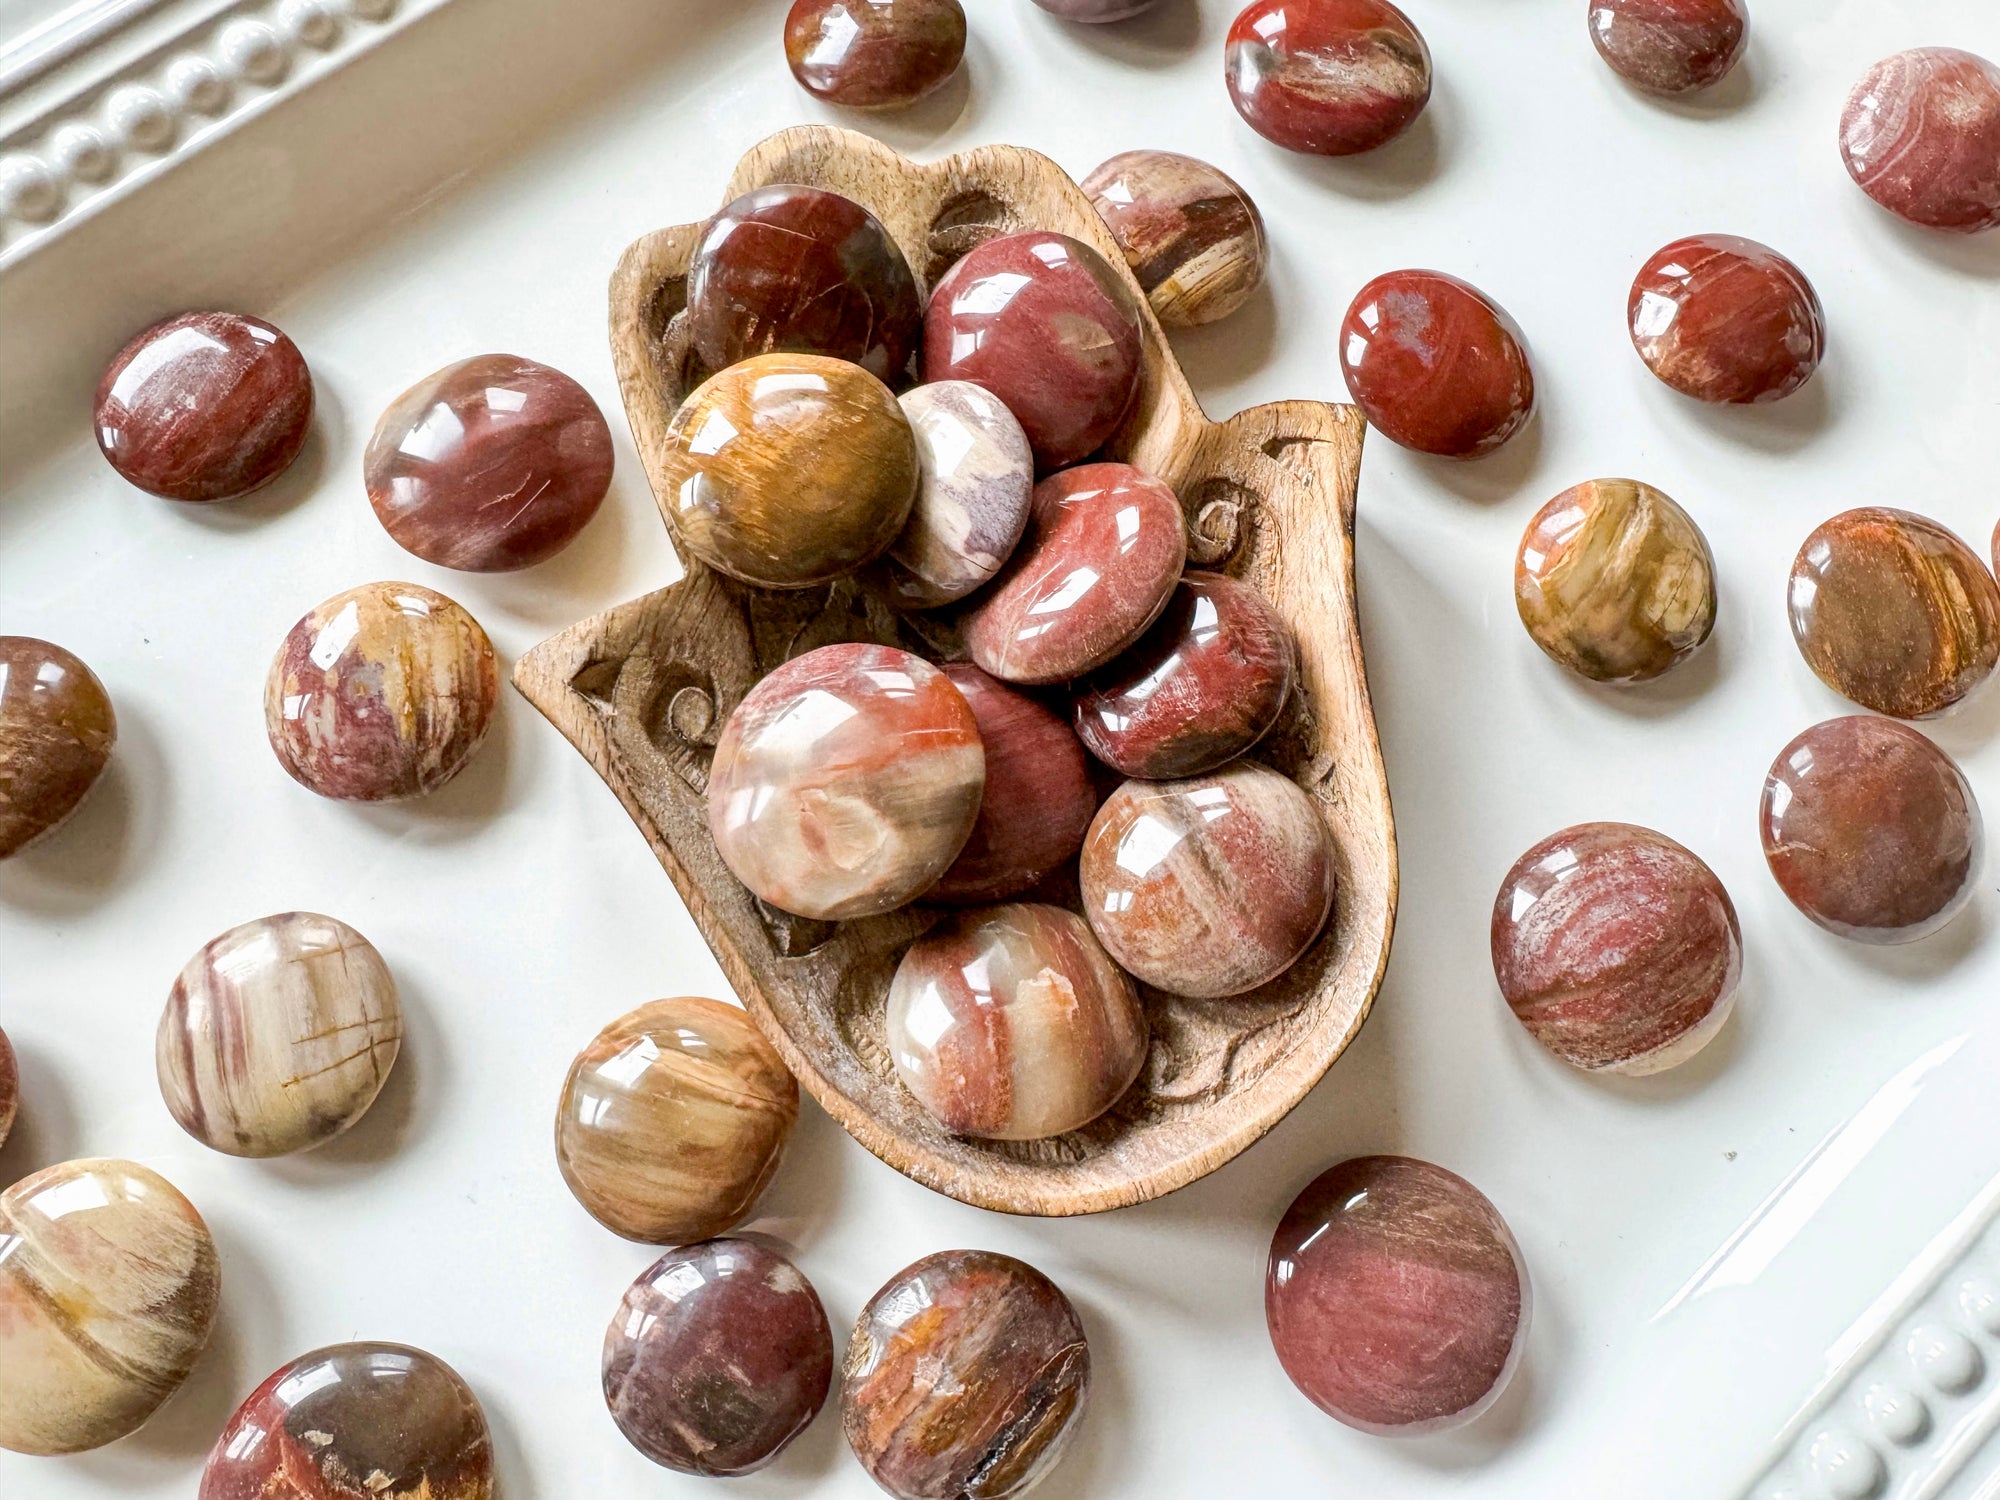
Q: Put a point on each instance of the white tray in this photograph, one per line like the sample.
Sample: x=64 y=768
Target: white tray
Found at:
x=1716 y=1251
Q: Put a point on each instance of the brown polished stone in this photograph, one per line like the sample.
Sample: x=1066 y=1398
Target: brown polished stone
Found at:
x=790 y=469
x=56 y=733
x=1894 y=612
x=204 y=406
x=1670 y=46
x=874 y=54
x=787 y=269
x=1871 y=830
x=1725 y=319
x=1615 y=581
x=10 y=1087
x=491 y=464
x=1192 y=237
x=965 y=1378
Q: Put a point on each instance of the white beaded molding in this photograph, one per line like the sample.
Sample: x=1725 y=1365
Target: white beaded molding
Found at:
x=1913 y=1411
x=87 y=144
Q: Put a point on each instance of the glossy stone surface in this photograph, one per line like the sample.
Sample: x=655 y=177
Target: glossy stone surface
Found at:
x=1921 y=135
x=491 y=464
x=965 y=1378
x=278 y=1035
x=1435 y=364
x=1104 y=547
x=719 y=1356
x=799 y=270
x=380 y=693
x=1044 y=323
x=1894 y=612
x=1193 y=238
x=1328 y=77
x=1038 y=800
x=1725 y=319
x=204 y=406
x=1211 y=885
x=1871 y=830
x=1094 y=11
x=10 y=1087
x=846 y=782
x=1617 y=948
x=57 y=729
x=1615 y=581
x=1012 y=1023
x=1396 y=1297
x=673 y=1119
x=1670 y=46
x=108 y=1289
x=355 y=1422
x=1201 y=686
x=789 y=469
x=976 y=475
x=874 y=54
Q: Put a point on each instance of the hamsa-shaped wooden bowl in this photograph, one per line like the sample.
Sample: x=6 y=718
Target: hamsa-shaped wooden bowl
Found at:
x=643 y=690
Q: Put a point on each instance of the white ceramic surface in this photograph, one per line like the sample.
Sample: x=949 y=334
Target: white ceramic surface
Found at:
x=1729 y=1258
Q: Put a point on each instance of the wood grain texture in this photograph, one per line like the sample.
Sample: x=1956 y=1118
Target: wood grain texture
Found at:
x=642 y=691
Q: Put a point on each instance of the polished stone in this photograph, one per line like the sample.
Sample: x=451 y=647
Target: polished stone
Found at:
x=1921 y=135
x=719 y=1356
x=278 y=1035
x=355 y=1422
x=1104 y=547
x=976 y=475
x=1044 y=323
x=1615 y=581
x=491 y=464
x=673 y=1119
x=1212 y=885
x=1894 y=612
x=1193 y=238
x=204 y=406
x=1012 y=1023
x=1670 y=46
x=1725 y=319
x=1617 y=948
x=108 y=1290
x=10 y=1087
x=57 y=730
x=1038 y=801
x=380 y=693
x=846 y=782
x=1201 y=686
x=789 y=469
x=1871 y=830
x=965 y=1378
x=1328 y=77
x=874 y=54
x=1435 y=364
x=787 y=269
x=1095 y=11
x=1396 y=1297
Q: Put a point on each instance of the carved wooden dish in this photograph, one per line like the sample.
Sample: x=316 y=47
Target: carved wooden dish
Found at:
x=643 y=689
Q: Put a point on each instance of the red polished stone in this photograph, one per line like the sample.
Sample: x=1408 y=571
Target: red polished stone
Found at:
x=10 y=1087
x=1670 y=46
x=1617 y=948
x=491 y=464
x=1921 y=135
x=204 y=406
x=1725 y=319
x=1201 y=686
x=874 y=54
x=719 y=1356
x=1044 y=323
x=1435 y=364
x=1396 y=1297
x=1038 y=800
x=799 y=270
x=1329 y=77
x=1192 y=236
x=1104 y=547
x=1871 y=830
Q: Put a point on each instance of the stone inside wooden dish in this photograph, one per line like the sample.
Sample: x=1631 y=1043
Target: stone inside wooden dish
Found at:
x=642 y=691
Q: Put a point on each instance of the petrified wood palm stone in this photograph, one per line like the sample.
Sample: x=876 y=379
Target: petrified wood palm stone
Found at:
x=644 y=689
